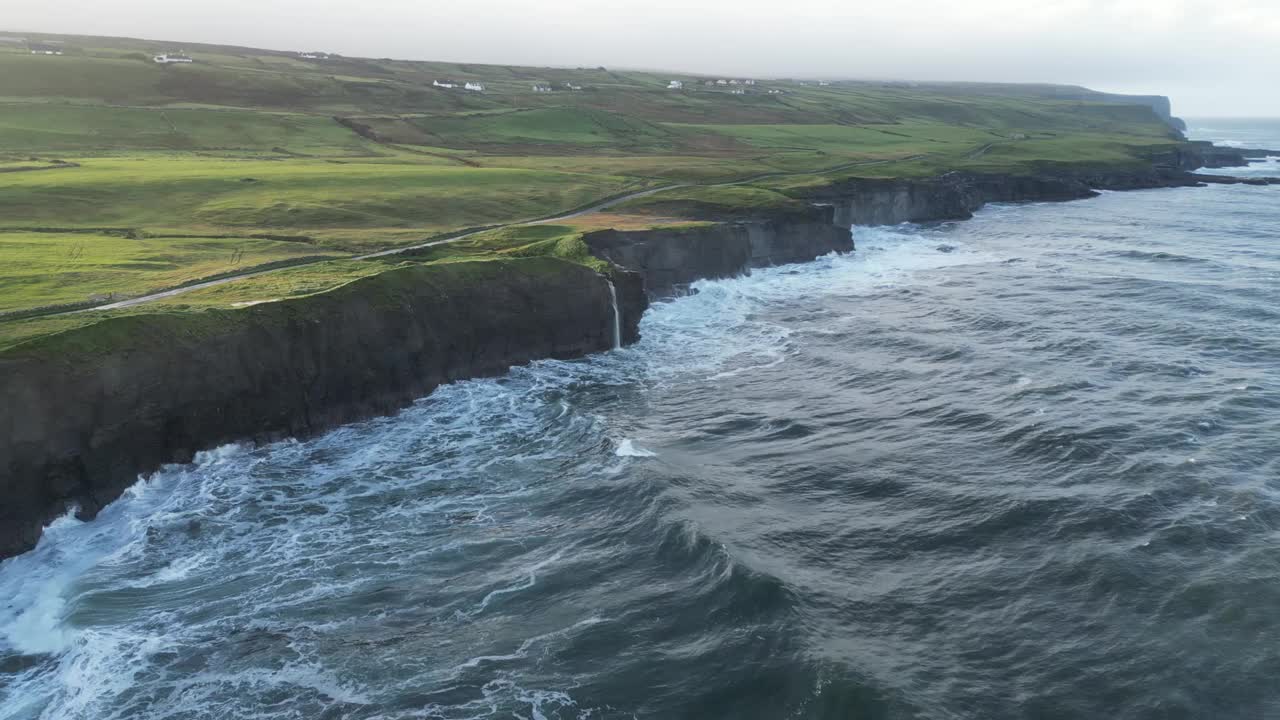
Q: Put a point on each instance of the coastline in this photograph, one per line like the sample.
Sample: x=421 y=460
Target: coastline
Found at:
x=301 y=367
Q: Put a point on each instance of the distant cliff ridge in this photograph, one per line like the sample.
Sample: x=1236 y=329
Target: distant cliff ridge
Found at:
x=1158 y=103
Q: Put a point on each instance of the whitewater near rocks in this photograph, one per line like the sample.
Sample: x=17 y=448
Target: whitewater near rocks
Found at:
x=1017 y=466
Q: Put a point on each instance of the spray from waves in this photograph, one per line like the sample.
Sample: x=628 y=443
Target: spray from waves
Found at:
x=240 y=558
x=627 y=448
x=723 y=328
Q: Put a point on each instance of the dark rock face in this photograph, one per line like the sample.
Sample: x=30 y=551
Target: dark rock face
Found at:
x=957 y=195
x=888 y=202
x=1233 y=180
x=79 y=427
x=86 y=412
x=1196 y=155
x=669 y=260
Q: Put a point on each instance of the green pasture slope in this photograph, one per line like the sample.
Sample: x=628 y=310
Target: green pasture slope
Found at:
x=120 y=177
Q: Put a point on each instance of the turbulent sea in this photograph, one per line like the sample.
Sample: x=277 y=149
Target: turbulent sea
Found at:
x=1025 y=466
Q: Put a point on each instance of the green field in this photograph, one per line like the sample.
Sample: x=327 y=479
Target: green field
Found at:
x=50 y=269
x=51 y=128
x=119 y=177
x=349 y=205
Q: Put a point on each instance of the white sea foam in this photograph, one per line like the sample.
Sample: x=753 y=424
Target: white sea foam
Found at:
x=281 y=536
x=627 y=448
x=522 y=652
x=530 y=580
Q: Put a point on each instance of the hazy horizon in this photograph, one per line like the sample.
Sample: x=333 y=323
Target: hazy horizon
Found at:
x=1210 y=58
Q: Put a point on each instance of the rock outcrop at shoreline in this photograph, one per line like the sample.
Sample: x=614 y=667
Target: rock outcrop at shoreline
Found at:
x=670 y=259
x=87 y=411
x=957 y=195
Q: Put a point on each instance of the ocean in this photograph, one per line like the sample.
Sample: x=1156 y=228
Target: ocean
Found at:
x=1023 y=466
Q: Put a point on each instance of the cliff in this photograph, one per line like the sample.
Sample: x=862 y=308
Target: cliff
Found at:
x=87 y=411
x=957 y=195
x=670 y=259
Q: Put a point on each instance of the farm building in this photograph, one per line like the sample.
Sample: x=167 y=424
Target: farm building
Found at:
x=171 y=58
x=474 y=87
x=539 y=88
x=45 y=49
x=571 y=86
x=722 y=82
x=447 y=84
x=738 y=91
x=675 y=85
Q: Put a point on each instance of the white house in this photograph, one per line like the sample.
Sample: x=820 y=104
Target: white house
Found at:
x=722 y=82
x=675 y=85
x=42 y=49
x=709 y=82
x=738 y=91
x=748 y=82
x=314 y=55
x=823 y=83
x=571 y=86
x=733 y=82
x=167 y=59
x=474 y=87
x=538 y=87
x=447 y=84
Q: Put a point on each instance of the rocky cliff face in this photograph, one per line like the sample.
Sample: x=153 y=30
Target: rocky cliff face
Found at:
x=672 y=258
x=1196 y=155
x=957 y=195
x=85 y=412
x=888 y=202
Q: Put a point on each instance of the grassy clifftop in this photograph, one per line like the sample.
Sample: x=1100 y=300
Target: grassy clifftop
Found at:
x=120 y=176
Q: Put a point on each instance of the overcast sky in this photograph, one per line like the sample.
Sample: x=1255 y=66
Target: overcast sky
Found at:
x=1212 y=57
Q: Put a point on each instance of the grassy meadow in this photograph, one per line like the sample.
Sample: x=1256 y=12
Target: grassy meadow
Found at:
x=120 y=177
x=54 y=269
x=346 y=205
